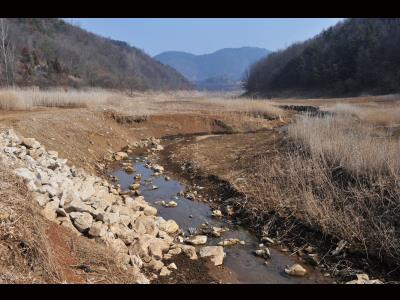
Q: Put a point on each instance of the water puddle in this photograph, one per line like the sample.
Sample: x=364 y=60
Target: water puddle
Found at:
x=240 y=260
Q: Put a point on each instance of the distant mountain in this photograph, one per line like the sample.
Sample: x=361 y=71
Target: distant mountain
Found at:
x=224 y=65
x=354 y=57
x=51 y=52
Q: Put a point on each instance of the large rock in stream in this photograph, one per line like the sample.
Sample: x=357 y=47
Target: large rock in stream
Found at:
x=215 y=253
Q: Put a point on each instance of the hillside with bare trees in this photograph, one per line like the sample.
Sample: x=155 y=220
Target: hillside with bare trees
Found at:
x=51 y=52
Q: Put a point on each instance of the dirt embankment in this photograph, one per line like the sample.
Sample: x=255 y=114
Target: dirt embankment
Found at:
x=85 y=137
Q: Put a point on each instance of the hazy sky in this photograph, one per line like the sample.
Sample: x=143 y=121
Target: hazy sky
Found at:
x=199 y=36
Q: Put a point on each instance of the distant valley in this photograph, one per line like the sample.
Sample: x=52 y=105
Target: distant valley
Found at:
x=221 y=70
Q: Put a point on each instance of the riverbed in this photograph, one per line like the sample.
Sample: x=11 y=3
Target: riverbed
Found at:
x=243 y=265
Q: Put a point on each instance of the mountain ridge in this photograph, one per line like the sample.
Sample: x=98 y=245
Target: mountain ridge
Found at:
x=227 y=63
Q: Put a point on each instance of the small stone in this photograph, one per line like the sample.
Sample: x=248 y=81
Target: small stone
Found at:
x=158 y=168
x=150 y=211
x=157 y=247
x=61 y=212
x=134 y=186
x=40 y=198
x=197 y=240
x=174 y=251
x=108 y=217
x=53 y=154
x=120 y=155
x=264 y=253
x=309 y=249
x=216 y=213
x=156 y=265
x=172 y=266
x=229 y=242
x=164 y=271
x=216 y=253
x=98 y=229
x=30 y=143
x=25 y=173
x=296 y=270
x=189 y=251
x=364 y=279
x=81 y=220
x=217 y=231
x=169 y=226
x=157 y=148
x=170 y=204
x=229 y=211
x=50 y=209
x=129 y=169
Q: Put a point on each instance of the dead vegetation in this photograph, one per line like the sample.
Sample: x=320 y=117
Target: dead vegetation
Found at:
x=377 y=114
x=30 y=98
x=26 y=255
x=138 y=104
x=338 y=175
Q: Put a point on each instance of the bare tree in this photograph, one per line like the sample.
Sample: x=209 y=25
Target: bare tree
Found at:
x=7 y=52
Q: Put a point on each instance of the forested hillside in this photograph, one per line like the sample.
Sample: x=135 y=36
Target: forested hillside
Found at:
x=355 y=56
x=51 y=52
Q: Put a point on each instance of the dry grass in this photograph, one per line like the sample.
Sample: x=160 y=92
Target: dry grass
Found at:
x=340 y=176
x=25 y=253
x=374 y=113
x=346 y=143
x=194 y=101
x=137 y=104
x=30 y=98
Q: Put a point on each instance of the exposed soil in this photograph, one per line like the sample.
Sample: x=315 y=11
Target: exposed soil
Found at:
x=56 y=235
x=84 y=136
x=198 y=271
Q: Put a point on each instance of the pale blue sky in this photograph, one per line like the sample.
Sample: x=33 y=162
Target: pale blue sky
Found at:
x=205 y=35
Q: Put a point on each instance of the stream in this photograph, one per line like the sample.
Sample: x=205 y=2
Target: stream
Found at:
x=239 y=260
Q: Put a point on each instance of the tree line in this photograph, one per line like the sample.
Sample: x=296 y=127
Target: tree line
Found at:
x=355 y=56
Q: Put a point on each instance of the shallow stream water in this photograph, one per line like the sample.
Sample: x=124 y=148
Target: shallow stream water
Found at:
x=240 y=260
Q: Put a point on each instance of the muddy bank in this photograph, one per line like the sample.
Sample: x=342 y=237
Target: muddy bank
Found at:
x=217 y=162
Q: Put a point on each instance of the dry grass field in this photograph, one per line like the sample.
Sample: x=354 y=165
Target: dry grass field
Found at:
x=339 y=175
x=25 y=99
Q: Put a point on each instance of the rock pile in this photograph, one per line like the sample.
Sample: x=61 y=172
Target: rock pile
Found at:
x=92 y=207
